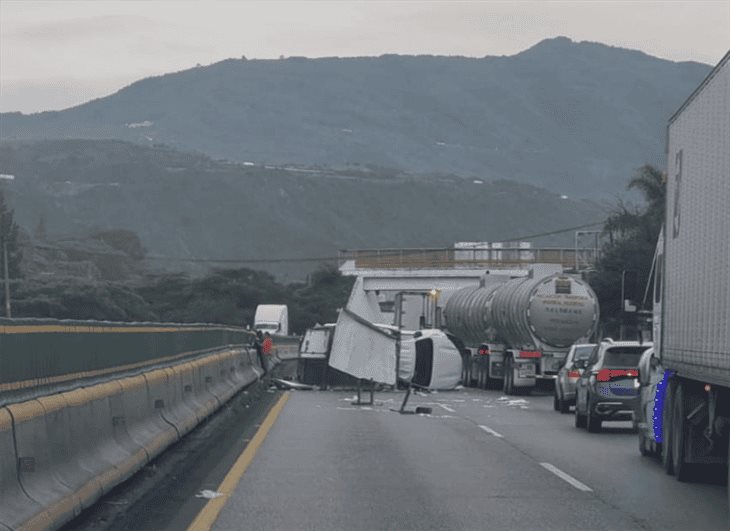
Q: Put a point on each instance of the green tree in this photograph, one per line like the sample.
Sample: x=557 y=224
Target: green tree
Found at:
x=9 y=235
x=627 y=257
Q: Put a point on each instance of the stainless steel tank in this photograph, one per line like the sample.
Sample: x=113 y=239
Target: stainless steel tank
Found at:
x=525 y=313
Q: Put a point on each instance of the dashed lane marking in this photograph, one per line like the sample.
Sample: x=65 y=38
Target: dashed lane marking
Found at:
x=490 y=431
x=566 y=477
x=447 y=408
x=209 y=514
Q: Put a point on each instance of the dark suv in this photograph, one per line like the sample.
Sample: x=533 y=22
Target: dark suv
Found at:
x=608 y=389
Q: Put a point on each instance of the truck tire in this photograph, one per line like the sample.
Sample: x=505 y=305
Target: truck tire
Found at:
x=467 y=374
x=580 y=420
x=508 y=387
x=482 y=376
x=684 y=402
x=667 y=428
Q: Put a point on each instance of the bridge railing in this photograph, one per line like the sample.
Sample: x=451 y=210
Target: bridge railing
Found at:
x=437 y=258
x=40 y=352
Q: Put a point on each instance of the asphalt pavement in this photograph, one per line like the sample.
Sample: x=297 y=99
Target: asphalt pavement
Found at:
x=479 y=461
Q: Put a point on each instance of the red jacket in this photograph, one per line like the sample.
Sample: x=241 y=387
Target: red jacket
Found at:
x=267 y=345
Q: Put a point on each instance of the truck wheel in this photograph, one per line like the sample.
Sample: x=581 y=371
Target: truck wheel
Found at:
x=683 y=402
x=580 y=420
x=508 y=387
x=667 y=428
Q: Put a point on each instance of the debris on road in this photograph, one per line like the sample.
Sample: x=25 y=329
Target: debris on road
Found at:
x=208 y=494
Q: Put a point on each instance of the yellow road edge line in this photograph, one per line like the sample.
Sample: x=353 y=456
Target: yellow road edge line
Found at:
x=209 y=514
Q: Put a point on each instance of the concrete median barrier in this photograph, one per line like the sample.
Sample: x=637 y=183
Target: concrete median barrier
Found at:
x=59 y=453
x=201 y=388
x=191 y=391
x=15 y=505
x=40 y=474
x=114 y=392
x=145 y=425
x=91 y=425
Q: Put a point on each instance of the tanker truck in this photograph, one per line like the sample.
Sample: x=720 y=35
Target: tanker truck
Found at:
x=517 y=330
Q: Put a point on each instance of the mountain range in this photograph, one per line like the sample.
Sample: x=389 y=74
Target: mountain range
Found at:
x=575 y=118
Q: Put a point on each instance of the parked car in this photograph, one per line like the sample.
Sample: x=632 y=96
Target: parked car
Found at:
x=568 y=376
x=647 y=418
x=608 y=389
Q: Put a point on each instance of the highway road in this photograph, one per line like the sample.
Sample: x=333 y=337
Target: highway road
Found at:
x=479 y=461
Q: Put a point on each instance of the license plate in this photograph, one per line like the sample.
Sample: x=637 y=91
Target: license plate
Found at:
x=527 y=371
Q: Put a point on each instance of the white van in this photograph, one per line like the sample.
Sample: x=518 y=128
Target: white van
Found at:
x=272 y=318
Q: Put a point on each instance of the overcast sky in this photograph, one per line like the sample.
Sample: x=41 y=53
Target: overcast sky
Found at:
x=57 y=54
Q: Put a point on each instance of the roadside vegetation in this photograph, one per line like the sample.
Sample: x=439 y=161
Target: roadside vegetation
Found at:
x=628 y=255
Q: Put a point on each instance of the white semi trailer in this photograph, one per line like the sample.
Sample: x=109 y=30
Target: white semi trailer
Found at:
x=692 y=287
x=520 y=329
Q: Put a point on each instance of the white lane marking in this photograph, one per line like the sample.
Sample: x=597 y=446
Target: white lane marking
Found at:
x=566 y=477
x=491 y=431
x=447 y=408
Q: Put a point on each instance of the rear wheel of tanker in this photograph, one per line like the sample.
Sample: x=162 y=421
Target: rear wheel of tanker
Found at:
x=667 y=428
x=508 y=386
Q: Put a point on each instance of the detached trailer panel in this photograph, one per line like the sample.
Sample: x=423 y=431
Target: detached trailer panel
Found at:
x=695 y=338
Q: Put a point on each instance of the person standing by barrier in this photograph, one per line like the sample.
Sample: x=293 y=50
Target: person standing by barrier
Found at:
x=258 y=343
x=267 y=347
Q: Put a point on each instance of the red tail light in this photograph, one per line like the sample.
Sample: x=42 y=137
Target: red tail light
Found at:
x=483 y=351
x=530 y=354
x=573 y=374
x=606 y=375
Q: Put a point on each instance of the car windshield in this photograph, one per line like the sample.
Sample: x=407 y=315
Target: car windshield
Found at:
x=623 y=357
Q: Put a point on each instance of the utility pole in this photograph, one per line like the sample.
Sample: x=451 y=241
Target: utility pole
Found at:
x=7 y=279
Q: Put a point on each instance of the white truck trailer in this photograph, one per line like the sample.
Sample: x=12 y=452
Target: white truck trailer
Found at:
x=692 y=287
x=272 y=318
